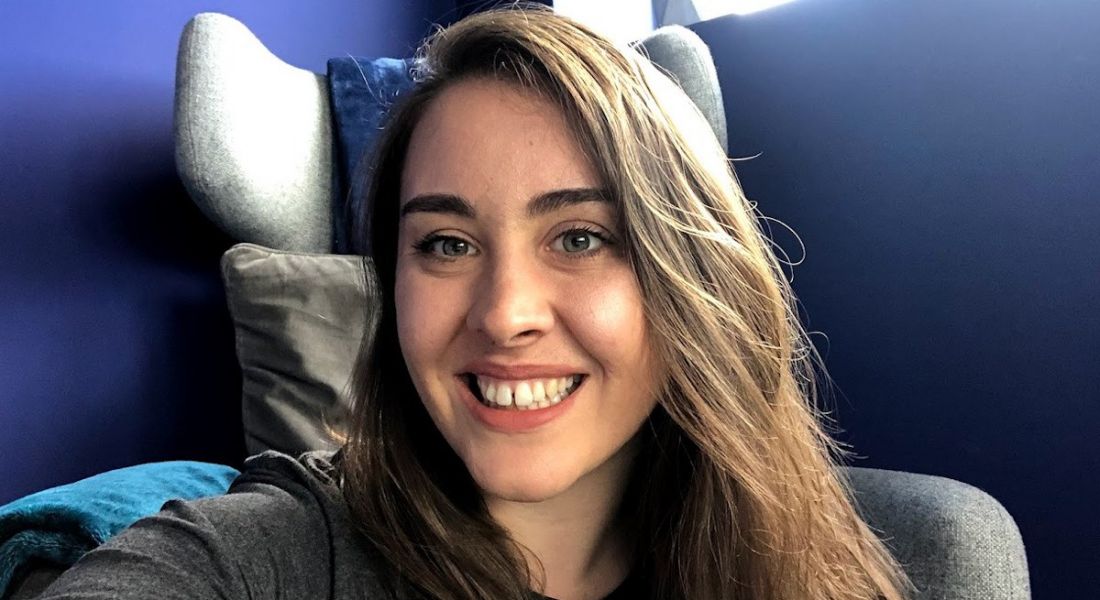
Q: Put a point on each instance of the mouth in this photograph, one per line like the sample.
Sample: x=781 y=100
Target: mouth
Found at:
x=531 y=394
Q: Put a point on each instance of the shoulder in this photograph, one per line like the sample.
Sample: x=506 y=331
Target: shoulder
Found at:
x=277 y=494
x=287 y=514
x=277 y=499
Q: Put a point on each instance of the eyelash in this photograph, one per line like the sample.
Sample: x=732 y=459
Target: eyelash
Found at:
x=425 y=246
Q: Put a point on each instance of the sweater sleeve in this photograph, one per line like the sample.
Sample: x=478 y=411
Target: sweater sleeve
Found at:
x=260 y=542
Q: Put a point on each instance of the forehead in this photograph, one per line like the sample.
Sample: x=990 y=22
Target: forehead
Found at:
x=489 y=141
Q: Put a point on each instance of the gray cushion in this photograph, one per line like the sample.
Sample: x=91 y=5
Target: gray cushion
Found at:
x=685 y=58
x=299 y=320
x=955 y=541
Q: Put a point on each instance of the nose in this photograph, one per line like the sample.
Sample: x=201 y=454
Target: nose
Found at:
x=512 y=304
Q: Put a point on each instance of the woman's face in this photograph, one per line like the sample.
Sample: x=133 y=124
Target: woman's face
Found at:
x=511 y=281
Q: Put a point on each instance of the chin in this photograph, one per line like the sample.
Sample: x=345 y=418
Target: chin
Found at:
x=517 y=482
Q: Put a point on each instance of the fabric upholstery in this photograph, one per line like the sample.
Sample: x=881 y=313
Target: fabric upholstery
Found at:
x=954 y=541
x=685 y=58
x=253 y=137
x=299 y=321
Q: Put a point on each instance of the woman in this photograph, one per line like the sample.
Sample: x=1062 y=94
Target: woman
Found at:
x=545 y=200
x=588 y=378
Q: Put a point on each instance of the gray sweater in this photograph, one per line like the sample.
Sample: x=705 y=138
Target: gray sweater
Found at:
x=283 y=531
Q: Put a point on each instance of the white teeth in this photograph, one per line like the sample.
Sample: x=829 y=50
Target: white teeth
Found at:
x=527 y=395
x=504 y=395
x=523 y=394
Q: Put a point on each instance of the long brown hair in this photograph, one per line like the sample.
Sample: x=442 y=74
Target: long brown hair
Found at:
x=736 y=491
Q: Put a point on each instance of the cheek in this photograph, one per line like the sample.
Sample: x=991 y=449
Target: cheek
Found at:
x=422 y=322
x=610 y=321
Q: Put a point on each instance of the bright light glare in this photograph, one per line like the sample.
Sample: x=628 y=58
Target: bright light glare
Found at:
x=711 y=9
x=621 y=20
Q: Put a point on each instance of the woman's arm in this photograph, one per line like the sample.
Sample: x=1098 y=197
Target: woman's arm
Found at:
x=255 y=544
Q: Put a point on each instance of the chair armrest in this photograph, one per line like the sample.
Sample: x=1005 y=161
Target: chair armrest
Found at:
x=954 y=541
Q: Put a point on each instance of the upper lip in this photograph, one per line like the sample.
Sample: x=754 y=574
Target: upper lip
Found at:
x=519 y=371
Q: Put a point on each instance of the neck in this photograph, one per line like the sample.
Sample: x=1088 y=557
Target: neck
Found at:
x=575 y=539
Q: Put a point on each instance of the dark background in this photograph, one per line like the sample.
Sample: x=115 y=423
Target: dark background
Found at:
x=939 y=159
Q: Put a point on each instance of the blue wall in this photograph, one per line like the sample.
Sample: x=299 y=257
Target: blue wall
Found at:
x=115 y=342
x=941 y=162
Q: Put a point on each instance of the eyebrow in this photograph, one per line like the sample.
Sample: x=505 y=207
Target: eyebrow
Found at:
x=540 y=205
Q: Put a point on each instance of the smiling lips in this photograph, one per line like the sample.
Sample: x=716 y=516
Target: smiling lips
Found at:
x=524 y=414
x=528 y=394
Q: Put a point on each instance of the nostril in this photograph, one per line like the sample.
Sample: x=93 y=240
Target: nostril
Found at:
x=530 y=336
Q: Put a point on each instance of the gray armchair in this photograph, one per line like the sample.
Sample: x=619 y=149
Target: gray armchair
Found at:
x=265 y=176
x=255 y=148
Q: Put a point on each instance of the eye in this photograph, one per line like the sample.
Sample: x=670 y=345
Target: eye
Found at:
x=581 y=241
x=443 y=247
x=452 y=246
